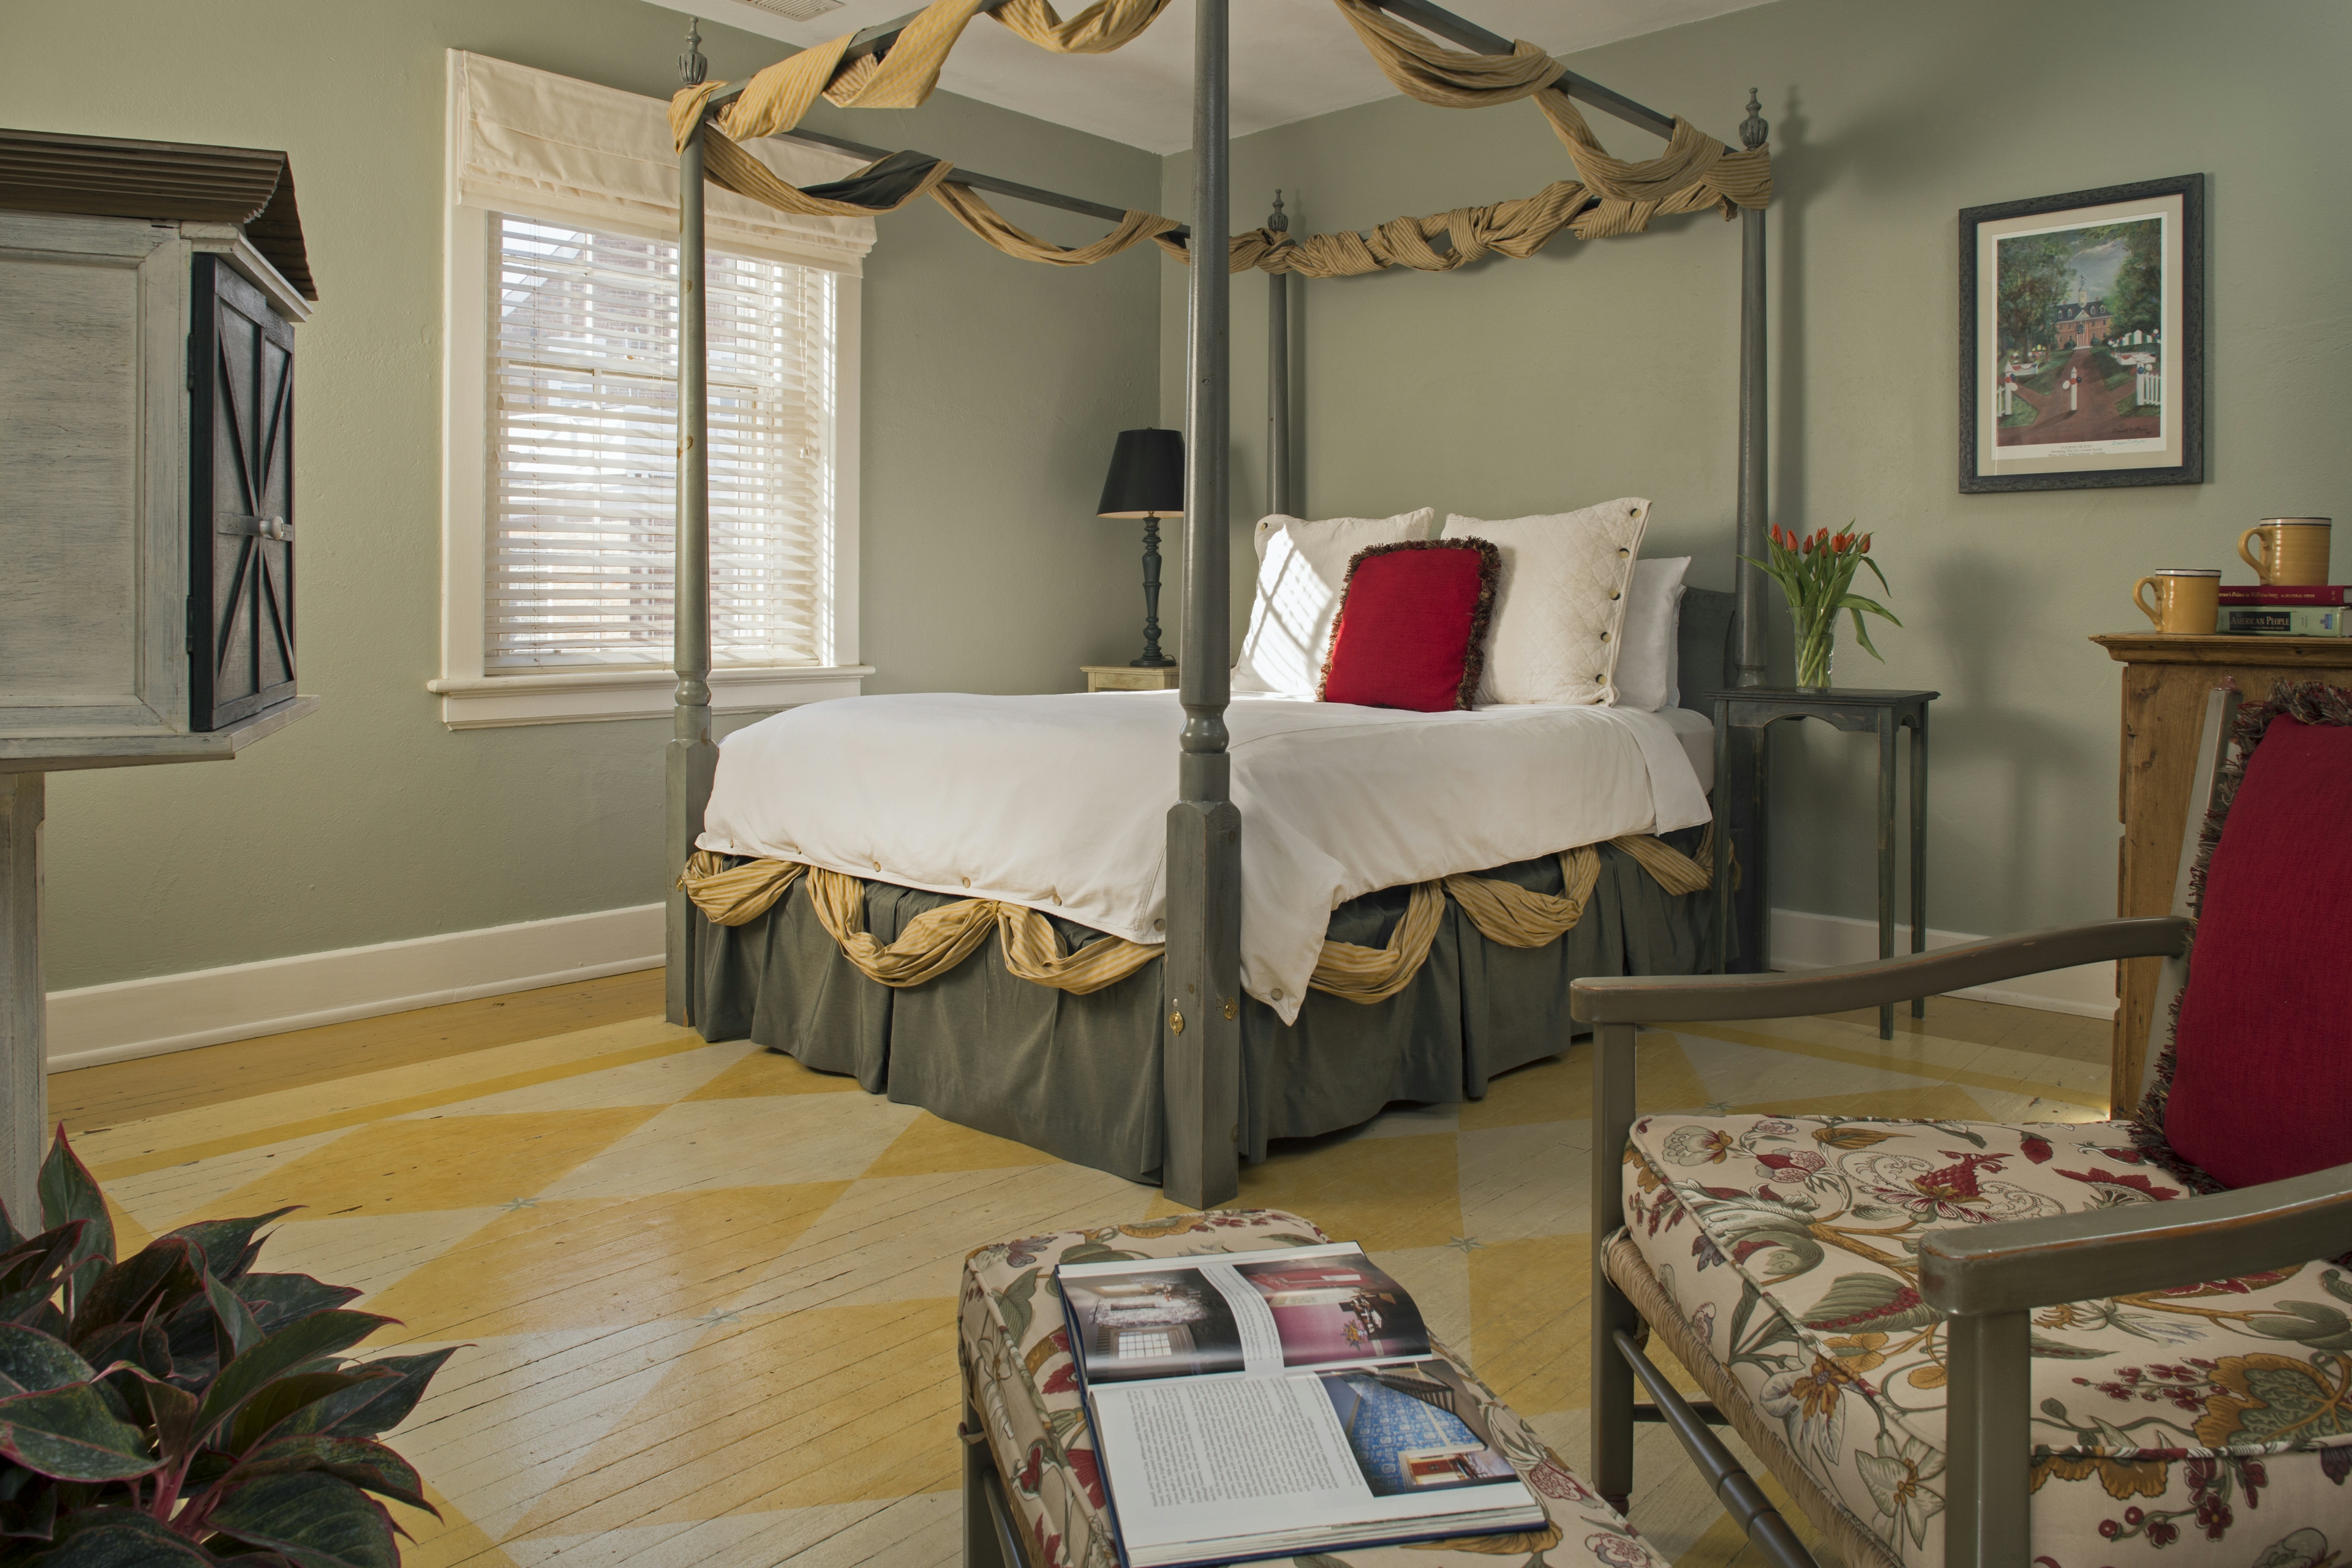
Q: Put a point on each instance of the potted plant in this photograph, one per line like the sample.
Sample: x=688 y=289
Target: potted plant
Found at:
x=177 y=1407
x=1816 y=571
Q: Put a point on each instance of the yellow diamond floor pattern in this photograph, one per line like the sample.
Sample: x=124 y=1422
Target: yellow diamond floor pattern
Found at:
x=707 y=1296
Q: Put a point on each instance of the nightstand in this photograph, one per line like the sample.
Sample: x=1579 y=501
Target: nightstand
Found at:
x=1130 y=677
x=1883 y=713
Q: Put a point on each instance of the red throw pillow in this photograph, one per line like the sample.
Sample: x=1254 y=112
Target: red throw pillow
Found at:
x=2262 y=1082
x=1411 y=627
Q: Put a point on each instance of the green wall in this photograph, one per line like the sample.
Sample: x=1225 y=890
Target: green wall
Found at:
x=1603 y=368
x=992 y=391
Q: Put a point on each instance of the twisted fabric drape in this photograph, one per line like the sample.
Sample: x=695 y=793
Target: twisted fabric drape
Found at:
x=1612 y=196
x=937 y=941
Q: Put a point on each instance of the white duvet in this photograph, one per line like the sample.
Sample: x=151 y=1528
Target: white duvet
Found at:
x=1061 y=803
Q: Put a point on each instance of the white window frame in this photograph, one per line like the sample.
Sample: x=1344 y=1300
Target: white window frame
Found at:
x=472 y=698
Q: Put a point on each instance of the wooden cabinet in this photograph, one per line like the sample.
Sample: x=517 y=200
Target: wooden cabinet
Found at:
x=146 y=451
x=2165 y=681
x=146 y=501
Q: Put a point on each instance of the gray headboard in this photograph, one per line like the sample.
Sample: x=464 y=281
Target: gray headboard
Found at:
x=1703 y=646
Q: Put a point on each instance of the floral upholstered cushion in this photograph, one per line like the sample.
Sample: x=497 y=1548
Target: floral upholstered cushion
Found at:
x=2206 y=1425
x=1016 y=1359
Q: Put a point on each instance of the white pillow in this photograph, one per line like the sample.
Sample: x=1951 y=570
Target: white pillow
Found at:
x=1559 y=602
x=1646 y=676
x=1300 y=568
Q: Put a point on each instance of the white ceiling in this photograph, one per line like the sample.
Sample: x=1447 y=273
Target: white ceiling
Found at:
x=1291 y=59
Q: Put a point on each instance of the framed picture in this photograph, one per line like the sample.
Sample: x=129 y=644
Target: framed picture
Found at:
x=2083 y=339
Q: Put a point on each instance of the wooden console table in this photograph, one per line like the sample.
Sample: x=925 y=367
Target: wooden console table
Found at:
x=2164 y=686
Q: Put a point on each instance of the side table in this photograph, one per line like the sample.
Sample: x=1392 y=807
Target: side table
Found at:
x=1130 y=677
x=1883 y=713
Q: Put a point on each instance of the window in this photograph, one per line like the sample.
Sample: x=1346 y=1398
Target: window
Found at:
x=560 y=421
x=582 y=468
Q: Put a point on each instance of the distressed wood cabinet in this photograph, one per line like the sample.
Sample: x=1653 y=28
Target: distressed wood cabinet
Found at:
x=2165 y=681
x=149 y=293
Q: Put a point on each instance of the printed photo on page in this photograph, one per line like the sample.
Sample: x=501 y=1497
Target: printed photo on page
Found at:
x=1336 y=1309
x=1169 y=1322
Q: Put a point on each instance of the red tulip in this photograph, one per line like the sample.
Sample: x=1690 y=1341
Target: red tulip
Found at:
x=1865 y=545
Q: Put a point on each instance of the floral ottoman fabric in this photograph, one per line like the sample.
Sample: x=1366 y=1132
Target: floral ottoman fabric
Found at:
x=1016 y=1359
x=2208 y=1425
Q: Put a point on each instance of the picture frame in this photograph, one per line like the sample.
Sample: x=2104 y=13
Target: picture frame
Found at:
x=2083 y=339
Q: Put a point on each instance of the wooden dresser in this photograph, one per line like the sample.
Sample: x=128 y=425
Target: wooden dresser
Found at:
x=2165 y=682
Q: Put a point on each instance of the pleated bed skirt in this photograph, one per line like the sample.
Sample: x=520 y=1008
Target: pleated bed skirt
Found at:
x=1079 y=1076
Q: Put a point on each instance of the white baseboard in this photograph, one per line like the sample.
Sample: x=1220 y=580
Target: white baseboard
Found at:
x=136 y=1018
x=1803 y=940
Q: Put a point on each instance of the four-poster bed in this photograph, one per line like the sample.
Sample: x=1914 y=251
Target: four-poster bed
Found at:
x=1190 y=1001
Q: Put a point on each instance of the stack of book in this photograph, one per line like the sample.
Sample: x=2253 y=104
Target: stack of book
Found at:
x=2269 y=611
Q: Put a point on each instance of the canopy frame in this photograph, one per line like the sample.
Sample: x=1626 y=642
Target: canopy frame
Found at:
x=1201 y=1029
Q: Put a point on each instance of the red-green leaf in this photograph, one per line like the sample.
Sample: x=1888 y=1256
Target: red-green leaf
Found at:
x=238 y=1332
x=224 y=1241
x=31 y=1360
x=288 y=1396
x=70 y=1434
x=362 y=1461
x=277 y=1299
x=31 y=1271
x=375 y=1404
x=158 y=1279
x=323 y=1333
x=123 y=1538
x=69 y=1191
x=315 y=1520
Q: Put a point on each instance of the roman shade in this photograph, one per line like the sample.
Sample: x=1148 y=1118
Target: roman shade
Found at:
x=551 y=145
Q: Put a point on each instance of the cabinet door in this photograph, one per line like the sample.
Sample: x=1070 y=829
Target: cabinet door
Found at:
x=241 y=501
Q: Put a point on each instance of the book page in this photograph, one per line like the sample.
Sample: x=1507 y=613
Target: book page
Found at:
x=1210 y=1314
x=1375 y=1451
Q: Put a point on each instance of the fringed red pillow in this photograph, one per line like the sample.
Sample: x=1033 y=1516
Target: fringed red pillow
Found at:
x=2261 y=1078
x=1411 y=628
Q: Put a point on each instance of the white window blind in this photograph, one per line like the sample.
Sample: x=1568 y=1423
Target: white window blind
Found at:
x=582 y=427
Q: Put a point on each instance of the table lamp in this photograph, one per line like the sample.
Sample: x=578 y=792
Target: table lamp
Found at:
x=1147 y=480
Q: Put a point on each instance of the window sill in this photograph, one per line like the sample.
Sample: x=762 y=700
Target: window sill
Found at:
x=592 y=696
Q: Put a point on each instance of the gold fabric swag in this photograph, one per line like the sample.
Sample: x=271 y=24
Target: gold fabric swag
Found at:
x=1613 y=195
x=937 y=939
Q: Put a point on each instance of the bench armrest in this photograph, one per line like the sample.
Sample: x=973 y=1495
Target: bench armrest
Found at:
x=1696 y=998
x=2020 y=1265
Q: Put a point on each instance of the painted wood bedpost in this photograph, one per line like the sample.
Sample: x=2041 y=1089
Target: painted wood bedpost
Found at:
x=693 y=759
x=1751 y=527
x=1747 y=803
x=1201 y=1026
x=1277 y=377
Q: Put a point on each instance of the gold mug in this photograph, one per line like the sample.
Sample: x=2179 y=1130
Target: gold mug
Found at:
x=2187 y=600
x=2295 y=549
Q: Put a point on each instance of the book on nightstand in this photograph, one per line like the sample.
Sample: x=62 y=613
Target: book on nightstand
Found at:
x=2285 y=620
x=2285 y=594
x=1277 y=1404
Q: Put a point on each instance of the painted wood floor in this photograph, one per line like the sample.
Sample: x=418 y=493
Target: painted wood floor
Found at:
x=708 y=1295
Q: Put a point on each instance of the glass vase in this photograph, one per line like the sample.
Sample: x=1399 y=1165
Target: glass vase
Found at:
x=1816 y=640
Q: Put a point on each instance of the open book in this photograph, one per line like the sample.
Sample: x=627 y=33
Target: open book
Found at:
x=1270 y=1404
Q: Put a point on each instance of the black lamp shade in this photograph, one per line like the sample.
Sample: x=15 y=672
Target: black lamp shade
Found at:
x=1147 y=476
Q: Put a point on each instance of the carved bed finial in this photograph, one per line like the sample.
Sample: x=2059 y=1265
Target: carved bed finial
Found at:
x=691 y=67
x=1280 y=222
x=1753 y=130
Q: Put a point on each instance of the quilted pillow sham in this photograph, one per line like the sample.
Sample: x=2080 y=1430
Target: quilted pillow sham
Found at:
x=1559 y=604
x=1301 y=566
x=1412 y=625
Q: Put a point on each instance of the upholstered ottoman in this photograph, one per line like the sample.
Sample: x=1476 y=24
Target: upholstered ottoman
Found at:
x=1039 y=1504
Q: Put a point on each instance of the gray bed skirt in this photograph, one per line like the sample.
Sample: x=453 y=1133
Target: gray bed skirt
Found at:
x=1079 y=1076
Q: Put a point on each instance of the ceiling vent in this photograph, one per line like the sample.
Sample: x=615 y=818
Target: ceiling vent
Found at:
x=797 y=10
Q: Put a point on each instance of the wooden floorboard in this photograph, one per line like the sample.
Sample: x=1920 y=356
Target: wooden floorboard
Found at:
x=706 y=1298
x=97 y=1097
